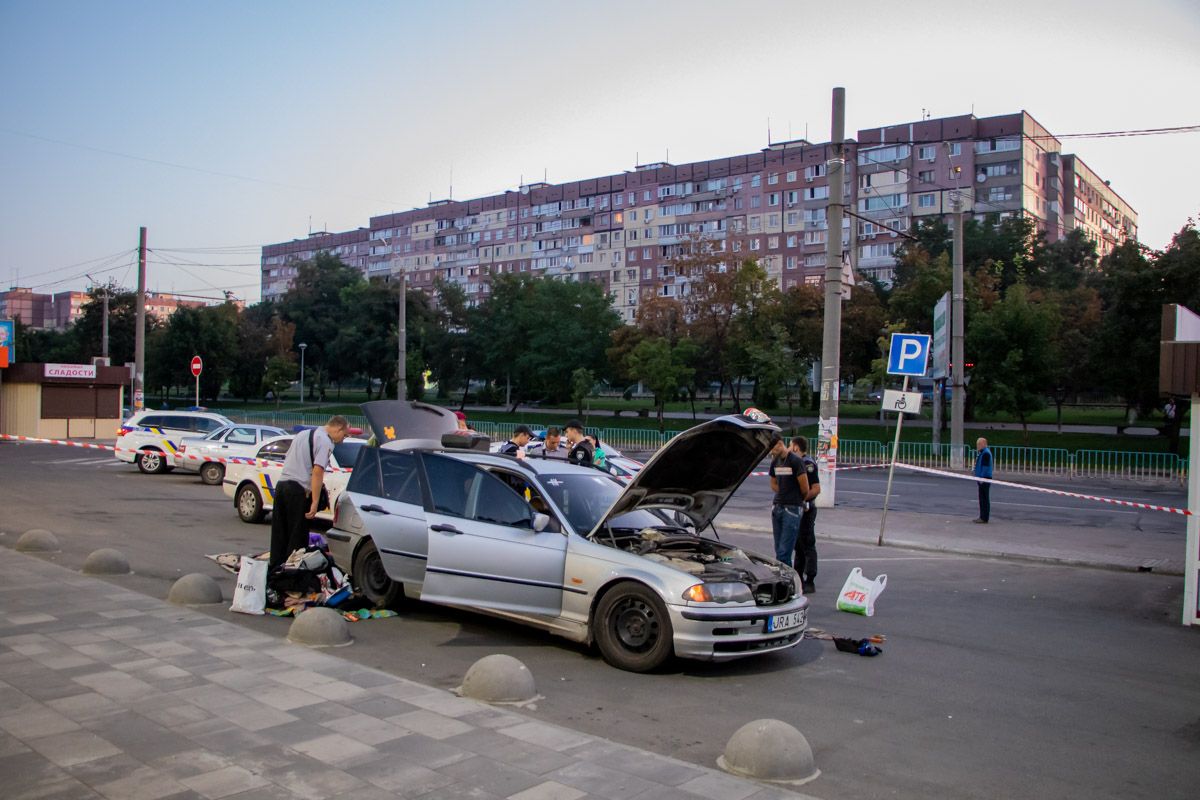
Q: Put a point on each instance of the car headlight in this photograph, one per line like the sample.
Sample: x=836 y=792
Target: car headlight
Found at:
x=719 y=593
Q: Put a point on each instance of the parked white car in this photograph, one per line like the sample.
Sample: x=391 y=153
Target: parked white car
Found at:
x=252 y=486
x=150 y=439
x=195 y=454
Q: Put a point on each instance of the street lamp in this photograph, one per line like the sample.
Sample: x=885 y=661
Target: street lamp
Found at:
x=302 y=348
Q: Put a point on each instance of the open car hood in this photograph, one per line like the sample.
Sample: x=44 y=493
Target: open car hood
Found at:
x=399 y=420
x=696 y=472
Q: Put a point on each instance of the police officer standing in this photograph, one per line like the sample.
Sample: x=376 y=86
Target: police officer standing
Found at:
x=580 y=451
x=806 y=545
x=790 y=485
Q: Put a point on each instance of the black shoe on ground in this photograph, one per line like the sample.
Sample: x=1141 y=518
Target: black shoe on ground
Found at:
x=807 y=587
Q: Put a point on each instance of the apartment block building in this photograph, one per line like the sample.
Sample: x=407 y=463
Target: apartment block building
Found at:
x=59 y=311
x=623 y=230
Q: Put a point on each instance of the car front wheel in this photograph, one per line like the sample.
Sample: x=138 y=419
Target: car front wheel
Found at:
x=152 y=462
x=632 y=629
x=371 y=578
x=249 y=504
x=212 y=473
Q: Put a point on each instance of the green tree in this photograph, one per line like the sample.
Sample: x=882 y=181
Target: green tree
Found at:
x=314 y=305
x=534 y=332
x=663 y=368
x=281 y=371
x=261 y=334
x=582 y=381
x=1014 y=355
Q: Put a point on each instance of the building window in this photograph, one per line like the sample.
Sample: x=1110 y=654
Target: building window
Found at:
x=955 y=148
x=925 y=176
x=813 y=172
x=791 y=262
x=755 y=244
x=925 y=201
x=791 y=241
x=791 y=176
x=755 y=201
x=772 y=242
x=773 y=199
x=755 y=181
x=816 y=193
x=773 y=178
x=927 y=152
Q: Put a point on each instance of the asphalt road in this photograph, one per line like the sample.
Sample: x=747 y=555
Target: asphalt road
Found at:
x=998 y=680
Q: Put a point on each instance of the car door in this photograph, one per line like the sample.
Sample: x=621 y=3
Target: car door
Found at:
x=483 y=551
x=386 y=489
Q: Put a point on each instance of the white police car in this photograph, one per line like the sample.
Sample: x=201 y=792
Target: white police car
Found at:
x=151 y=439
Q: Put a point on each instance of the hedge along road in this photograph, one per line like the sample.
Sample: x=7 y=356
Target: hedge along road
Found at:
x=998 y=679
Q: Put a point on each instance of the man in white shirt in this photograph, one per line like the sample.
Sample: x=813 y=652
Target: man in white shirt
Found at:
x=298 y=492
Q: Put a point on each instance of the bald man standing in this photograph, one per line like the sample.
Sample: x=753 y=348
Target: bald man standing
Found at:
x=983 y=469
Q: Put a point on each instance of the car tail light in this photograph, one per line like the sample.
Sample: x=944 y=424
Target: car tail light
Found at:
x=123 y=430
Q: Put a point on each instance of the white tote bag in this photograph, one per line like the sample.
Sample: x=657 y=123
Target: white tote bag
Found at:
x=858 y=594
x=250 y=596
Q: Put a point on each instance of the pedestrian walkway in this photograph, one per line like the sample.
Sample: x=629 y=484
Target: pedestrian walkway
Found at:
x=1038 y=542
x=105 y=692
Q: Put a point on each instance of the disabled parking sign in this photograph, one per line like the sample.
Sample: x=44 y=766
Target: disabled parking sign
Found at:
x=909 y=354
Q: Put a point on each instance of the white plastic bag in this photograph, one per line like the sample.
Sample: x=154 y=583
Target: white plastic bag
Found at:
x=858 y=594
x=250 y=597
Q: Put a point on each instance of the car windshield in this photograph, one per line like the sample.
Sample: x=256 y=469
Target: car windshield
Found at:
x=585 y=498
x=216 y=434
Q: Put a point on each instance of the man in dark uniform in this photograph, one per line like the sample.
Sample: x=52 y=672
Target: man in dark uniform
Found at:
x=580 y=451
x=806 y=546
x=790 y=485
x=516 y=445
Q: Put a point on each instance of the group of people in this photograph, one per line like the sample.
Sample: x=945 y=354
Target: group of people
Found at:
x=570 y=443
x=796 y=484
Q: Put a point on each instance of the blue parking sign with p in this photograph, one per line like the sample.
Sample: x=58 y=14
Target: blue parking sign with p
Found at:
x=909 y=354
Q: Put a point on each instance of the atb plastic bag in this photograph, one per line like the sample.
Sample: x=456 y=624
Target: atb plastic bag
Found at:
x=858 y=594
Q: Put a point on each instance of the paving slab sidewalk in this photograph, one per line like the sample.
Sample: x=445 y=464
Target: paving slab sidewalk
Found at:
x=105 y=692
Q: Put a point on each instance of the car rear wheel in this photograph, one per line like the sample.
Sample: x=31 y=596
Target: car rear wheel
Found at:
x=212 y=473
x=370 y=578
x=249 y=504
x=632 y=629
x=152 y=462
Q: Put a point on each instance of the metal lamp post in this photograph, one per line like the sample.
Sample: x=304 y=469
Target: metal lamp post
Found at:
x=303 y=346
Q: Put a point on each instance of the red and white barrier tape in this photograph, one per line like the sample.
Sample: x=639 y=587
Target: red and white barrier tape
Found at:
x=835 y=469
x=1110 y=500
x=113 y=449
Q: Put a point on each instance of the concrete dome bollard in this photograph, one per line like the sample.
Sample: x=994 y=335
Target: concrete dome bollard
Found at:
x=106 y=561
x=37 y=540
x=320 y=627
x=769 y=750
x=499 y=679
x=195 y=589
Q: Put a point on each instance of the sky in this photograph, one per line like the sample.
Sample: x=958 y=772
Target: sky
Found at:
x=223 y=126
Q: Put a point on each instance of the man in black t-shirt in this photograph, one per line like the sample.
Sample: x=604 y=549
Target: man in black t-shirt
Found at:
x=516 y=445
x=806 y=545
x=790 y=485
x=580 y=451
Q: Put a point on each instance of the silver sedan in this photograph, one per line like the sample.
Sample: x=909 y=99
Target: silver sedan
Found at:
x=570 y=549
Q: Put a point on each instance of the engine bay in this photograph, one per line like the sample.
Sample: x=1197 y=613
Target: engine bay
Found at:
x=710 y=560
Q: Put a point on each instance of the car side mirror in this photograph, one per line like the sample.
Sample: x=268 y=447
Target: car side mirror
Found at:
x=539 y=522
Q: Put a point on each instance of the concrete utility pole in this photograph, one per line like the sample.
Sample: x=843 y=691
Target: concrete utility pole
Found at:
x=402 y=335
x=139 y=340
x=402 y=321
x=831 y=348
x=958 y=365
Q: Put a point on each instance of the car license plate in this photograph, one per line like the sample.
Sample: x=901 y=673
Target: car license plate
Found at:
x=782 y=622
